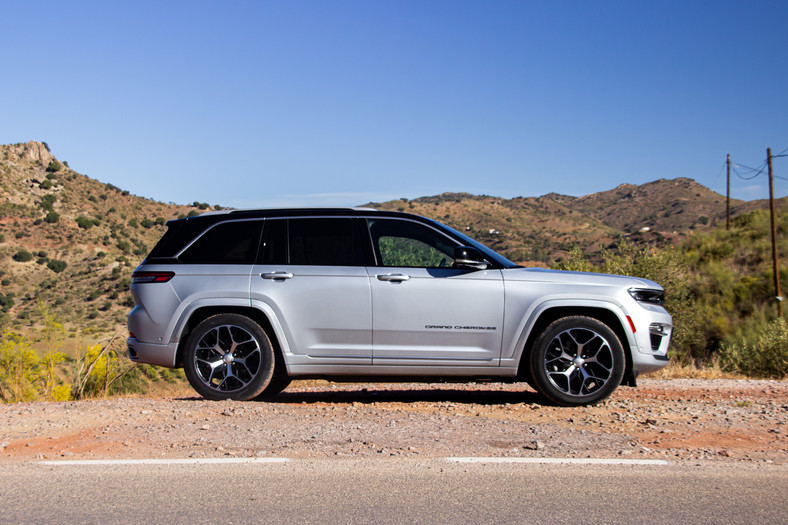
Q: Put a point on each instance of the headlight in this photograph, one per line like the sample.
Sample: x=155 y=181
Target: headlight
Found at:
x=644 y=295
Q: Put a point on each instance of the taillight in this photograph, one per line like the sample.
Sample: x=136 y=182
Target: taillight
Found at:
x=151 y=277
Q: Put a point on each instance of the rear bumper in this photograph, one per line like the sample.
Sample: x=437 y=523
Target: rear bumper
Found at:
x=151 y=353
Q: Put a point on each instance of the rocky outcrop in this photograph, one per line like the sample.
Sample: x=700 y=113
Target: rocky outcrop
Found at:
x=33 y=150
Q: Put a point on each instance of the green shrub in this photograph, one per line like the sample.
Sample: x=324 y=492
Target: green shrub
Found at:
x=23 y=256
x=767 y=356
x=56 y=265
x=6 y=301
x=47 y=202
x=46 y=185
x=54 y=166
x=86 y=223
x=52 y=217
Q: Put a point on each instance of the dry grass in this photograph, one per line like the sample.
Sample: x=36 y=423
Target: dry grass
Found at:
x=693 y=371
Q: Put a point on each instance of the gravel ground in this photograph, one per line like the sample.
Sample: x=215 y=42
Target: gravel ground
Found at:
x=680 y=420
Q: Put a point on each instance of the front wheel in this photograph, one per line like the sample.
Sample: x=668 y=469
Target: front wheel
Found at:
x=228 y=356
x=577 y=361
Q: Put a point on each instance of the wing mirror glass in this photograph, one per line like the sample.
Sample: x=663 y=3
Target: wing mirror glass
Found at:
x=470 y=258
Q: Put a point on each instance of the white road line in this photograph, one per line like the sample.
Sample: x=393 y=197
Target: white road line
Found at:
x=188 y=461
x=577 y=461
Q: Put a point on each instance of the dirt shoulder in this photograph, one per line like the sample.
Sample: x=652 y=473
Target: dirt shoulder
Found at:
x=680 y=420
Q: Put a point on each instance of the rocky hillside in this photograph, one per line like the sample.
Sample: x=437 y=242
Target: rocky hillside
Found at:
x=72 y=241
x=541 y=230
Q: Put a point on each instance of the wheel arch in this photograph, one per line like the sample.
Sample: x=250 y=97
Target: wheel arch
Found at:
x=201 y=314
x=603 y=315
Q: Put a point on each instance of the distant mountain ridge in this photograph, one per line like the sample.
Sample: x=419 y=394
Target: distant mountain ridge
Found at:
x=83 y=237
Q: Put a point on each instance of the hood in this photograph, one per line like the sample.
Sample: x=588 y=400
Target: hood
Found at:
x=585 y=278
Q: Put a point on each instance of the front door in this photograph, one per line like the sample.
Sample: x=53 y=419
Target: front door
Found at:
x=425 y=311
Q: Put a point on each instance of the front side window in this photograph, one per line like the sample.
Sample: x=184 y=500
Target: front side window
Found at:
x=233 y=242
x=409 y=244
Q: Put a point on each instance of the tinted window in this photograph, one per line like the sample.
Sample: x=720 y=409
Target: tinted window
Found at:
x=227 y=243
x=406 y=243
x=274 y=248
x=324 y=242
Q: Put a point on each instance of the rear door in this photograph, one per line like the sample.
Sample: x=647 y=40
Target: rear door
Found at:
x=311 y=275
x=425 y=311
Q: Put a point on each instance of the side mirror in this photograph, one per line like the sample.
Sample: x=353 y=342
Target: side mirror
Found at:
x=470 y=258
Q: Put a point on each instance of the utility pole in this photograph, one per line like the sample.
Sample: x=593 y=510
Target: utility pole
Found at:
x=728 y=196
x=775 y=267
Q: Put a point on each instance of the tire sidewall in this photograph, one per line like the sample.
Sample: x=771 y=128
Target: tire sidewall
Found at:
x=539 y=376
x=259 y=382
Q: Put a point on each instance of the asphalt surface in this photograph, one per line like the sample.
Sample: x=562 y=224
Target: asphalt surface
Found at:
x=397 y=490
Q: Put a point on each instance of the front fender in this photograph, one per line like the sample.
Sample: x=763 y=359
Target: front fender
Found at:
x=522 y=328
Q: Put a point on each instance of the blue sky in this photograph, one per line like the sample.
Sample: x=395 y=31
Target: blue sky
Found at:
x=252 y=104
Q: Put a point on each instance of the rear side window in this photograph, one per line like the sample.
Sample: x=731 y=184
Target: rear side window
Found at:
x=324 y=242
x=233 y=242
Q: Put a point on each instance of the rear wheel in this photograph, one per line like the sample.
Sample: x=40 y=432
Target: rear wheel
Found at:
x=228 y=356
x=278 y=383
x=577 y=361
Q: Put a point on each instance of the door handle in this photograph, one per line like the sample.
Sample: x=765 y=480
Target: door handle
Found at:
x=393 y=277
x=276 y=276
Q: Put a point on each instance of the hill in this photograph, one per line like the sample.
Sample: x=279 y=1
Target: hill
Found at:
x=73 y=241
x=542 y=230
x=70 y=240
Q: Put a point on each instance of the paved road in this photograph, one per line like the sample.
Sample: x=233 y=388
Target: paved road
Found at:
x=391 y=491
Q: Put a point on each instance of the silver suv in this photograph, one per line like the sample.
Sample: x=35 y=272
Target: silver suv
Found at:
x=245 y=301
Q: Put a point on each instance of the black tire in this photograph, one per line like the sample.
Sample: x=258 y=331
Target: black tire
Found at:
x=577 y=361
x=228 y=356
x=278 y=383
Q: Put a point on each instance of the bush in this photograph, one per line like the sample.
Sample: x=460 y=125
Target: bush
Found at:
x=52 y=217
x=146 y=223
x=56 y=265
x=46 y=185
x=765 y=357
x=47 y=202
x=6 y=301
x=86 y=223
x=54 y=166
x=19 y=369
x=23 y=256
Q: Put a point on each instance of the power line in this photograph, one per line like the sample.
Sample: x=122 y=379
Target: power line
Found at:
x=756 y=172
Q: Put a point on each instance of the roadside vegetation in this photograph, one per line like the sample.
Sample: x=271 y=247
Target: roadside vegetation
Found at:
x=719 y=289
x=55 y=374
